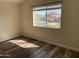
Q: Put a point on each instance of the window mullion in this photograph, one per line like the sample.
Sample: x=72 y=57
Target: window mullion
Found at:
x=46 y=17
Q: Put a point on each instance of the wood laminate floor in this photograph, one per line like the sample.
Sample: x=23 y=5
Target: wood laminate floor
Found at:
x=30 y=48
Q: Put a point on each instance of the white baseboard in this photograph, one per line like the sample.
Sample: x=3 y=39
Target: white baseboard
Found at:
x=54 y=43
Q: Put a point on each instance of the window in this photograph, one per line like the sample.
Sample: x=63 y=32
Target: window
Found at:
x=47 y=16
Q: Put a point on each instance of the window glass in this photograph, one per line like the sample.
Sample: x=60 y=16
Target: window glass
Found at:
x=39 y=18
x=47 y=16
x=54 y=18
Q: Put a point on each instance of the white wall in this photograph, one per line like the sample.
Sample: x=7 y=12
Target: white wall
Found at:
x=10 y=24
x=68 y=36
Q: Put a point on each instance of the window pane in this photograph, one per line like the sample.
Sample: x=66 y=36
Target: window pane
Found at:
x=47 y=16
x=54 y=18
x=39 y=18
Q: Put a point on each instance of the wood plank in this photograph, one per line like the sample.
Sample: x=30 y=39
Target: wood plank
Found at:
x=52 y=52
x=26 y=44
x=19 y=50
x=42 y=51
x=75 y=54
x=67 y=54
x=30 y=48
x=38 y=51
x=8 y=46
x=59 y=53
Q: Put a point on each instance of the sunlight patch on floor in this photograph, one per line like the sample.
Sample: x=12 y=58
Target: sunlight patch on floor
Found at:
x=24 y=44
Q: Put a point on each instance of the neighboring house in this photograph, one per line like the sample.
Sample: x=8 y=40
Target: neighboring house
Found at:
x=54 y=17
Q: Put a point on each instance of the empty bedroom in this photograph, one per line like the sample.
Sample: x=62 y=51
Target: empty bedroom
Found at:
x=39 y=28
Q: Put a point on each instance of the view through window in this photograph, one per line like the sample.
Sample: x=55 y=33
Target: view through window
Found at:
x=47 y=16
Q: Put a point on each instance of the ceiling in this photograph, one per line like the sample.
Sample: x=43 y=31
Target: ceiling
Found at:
x=13 y=1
